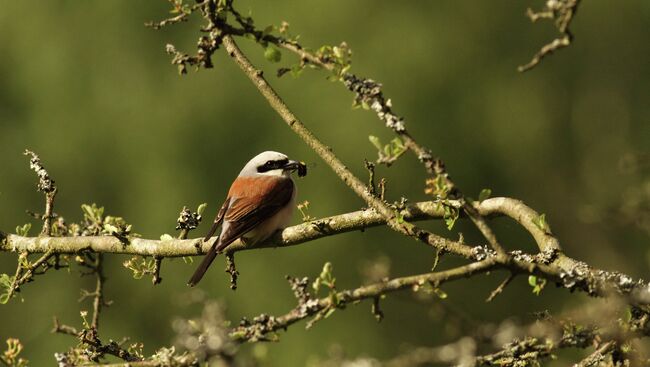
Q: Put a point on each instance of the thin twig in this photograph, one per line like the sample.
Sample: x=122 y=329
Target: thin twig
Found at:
x=64 y=329
x=156 y=279
x=562 y=13
x=231 y=269
x=501 y=287
x=98 y=301
x=45 y=185
x=26 y=273
x=182 y=17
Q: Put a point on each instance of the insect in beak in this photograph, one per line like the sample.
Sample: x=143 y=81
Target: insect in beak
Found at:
x=301 y=167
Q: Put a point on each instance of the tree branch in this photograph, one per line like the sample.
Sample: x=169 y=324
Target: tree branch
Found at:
x=308 y=307
x=290 y=236
x=550 y=263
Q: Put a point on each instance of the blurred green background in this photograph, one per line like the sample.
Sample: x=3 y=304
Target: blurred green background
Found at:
x=90 y=89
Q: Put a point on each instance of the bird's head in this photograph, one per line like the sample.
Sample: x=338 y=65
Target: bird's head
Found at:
x=271 y=163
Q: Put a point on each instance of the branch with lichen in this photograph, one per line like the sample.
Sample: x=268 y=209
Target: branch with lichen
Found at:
x=550 y=262
x=264 y=326
x=46 y=186
x=176 y=247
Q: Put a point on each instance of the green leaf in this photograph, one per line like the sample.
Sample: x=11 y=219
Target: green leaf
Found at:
x=537 y=284
x=440 y=293
x=329 y=312
x=23 y=230
x=140 y=266
x=201 y=208
x=5 y=285
x=325 y=278
x=110 y=228
x=436 y=260
x=272 y=54
x=398 y=146
x=400 y=217
x=92 y=214
x=316 y=285
x=375 y=141
x=485 y=194
x=296 y=70
x=451 y=215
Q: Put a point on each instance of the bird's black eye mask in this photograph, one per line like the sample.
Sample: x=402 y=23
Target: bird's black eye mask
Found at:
x=271 y=165
x=301 y=167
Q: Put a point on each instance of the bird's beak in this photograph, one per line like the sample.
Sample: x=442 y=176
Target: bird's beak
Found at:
x=295 y=165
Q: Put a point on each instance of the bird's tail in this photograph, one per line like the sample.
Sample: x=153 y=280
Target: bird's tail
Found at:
x=216 y=248
x=208 y=258
x=205 y=264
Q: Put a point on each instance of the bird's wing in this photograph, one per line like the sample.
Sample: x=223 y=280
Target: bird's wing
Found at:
x=261 y=202
x=217 y=220
x=248 y=204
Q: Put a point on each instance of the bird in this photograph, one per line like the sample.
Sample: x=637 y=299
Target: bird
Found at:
x=260 y=201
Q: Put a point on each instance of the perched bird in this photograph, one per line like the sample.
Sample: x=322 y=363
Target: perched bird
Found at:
x=260 y=202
